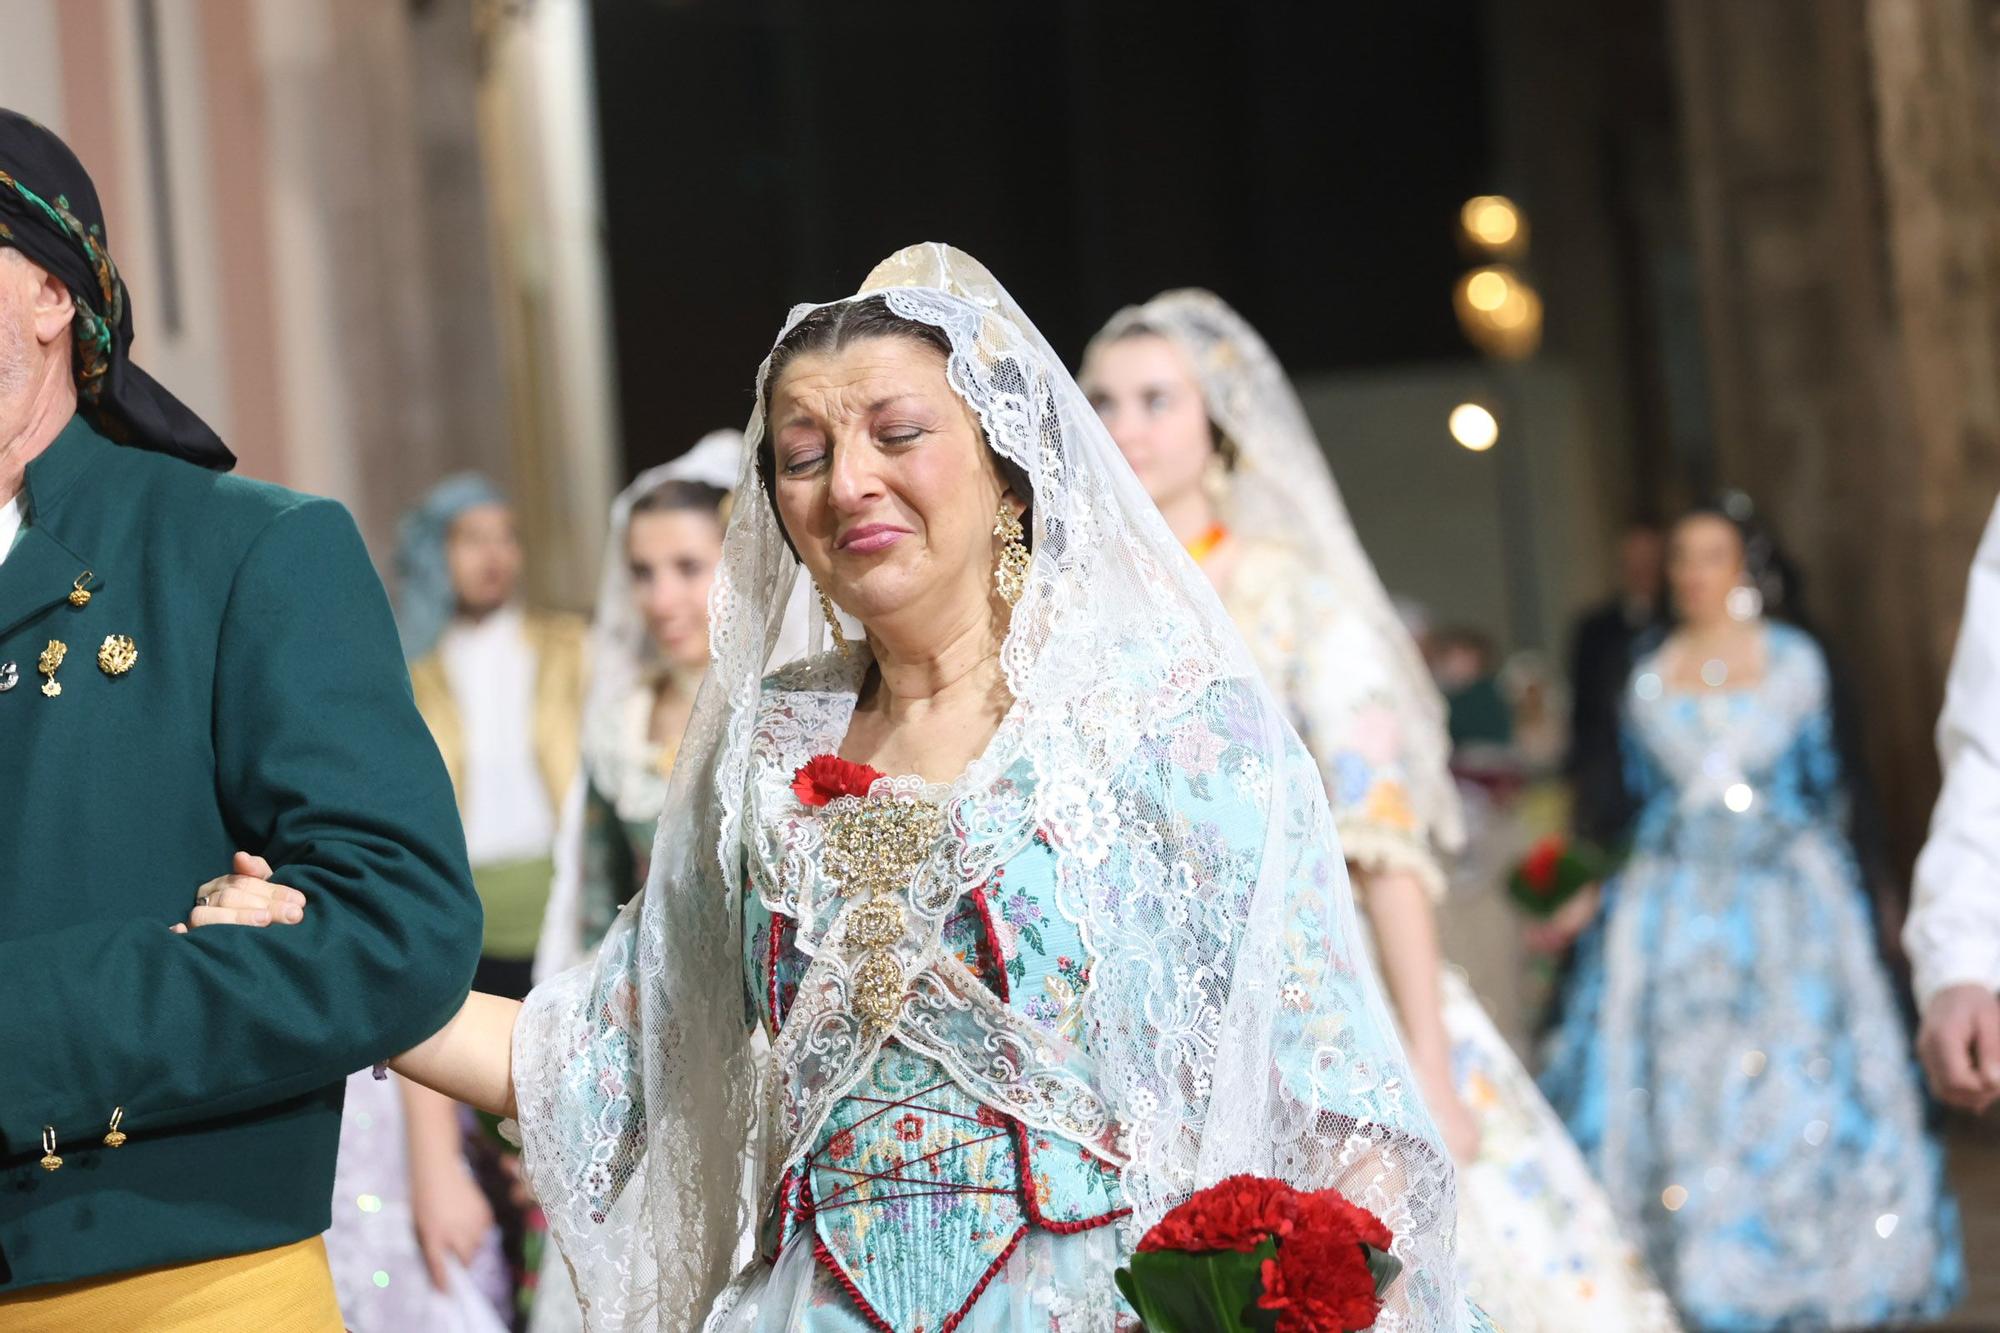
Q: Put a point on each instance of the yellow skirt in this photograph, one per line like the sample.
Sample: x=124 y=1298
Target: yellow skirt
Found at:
x=286 y=1290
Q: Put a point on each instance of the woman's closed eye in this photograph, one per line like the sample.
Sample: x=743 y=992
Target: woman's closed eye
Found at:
x=802 y=461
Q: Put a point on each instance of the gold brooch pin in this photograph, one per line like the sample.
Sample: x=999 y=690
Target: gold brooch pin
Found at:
x=117 y=655
x=79 y=595
x=51 y=661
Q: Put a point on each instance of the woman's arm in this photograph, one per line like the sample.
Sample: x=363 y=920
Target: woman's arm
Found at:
x=471 y=1058
x=450 y=1213
x=1406 y=938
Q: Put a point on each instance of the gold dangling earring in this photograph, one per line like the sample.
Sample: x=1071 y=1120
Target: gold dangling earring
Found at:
x=116 y=1138
x=1011 y=576
x=840 y=642
x=50 y=1162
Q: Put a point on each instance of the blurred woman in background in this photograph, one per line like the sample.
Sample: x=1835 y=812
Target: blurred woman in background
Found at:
x=1730 y=1053
x=648 y=653
x=1205 y=415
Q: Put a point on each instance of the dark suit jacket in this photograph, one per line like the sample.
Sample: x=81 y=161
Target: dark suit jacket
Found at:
x=1602 y=653
x=268 y=710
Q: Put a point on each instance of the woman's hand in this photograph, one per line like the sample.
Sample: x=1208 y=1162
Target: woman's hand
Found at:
x=1455 y=1119
x=245 y=897
x=1560 y=930
x=450 y=1212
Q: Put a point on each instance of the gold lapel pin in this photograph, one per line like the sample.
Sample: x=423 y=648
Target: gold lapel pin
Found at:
x=51 y=662
x=117 y=654
x=79 y=595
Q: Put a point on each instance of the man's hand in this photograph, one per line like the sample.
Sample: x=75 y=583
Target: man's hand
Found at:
x=245 y=897
x=1959 y=1045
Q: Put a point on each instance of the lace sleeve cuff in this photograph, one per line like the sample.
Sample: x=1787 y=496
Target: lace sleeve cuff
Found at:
x=1378 y=847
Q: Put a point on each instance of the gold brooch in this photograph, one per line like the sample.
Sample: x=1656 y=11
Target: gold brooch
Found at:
x=50 y=662
x=872 y=850
x=117 y=655
x=79 y=595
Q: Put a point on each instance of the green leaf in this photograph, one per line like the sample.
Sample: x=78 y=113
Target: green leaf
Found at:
x=1383 y=1266
x=1211 y=1292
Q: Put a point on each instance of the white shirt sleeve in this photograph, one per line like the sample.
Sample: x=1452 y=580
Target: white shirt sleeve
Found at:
x=10 y=525
x=1953 y=934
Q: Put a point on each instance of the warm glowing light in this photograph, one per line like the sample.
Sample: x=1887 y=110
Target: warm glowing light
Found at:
x=1499 y=310
x=1672 y=1197
x=1474 y=427
x=1491 y=220
x=1488 y=290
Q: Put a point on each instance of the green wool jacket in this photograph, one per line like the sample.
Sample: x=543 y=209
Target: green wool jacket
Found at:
x=268 y=710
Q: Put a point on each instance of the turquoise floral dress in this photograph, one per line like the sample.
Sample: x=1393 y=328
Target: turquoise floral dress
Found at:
x=922 y=1207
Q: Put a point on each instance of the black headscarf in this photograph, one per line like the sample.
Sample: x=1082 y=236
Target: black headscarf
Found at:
x=49 y=212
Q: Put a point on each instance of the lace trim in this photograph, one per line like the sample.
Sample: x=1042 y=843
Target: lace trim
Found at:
x=1377 y=848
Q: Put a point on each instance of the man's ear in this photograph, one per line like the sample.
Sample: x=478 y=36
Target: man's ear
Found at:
x=54 y=306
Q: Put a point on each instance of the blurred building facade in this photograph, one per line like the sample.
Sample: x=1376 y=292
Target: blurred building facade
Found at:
x=357 y=235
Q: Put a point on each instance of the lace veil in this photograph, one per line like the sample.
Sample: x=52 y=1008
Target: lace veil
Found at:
x=1281 y=487
x=1236 y=1023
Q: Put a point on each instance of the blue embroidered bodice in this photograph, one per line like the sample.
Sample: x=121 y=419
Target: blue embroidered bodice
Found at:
x=916 y=1191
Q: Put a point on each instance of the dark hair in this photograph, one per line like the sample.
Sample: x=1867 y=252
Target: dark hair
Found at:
x=1225 y=448
x=833 y=327
x=672 y=497
x=1765 y=564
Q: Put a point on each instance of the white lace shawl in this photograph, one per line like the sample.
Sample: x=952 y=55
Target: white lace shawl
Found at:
x=1243 y=1027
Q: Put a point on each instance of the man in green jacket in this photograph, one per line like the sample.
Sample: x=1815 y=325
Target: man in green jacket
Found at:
x=190 y=664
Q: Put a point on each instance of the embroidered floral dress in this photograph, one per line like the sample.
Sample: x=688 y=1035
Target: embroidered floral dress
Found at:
x=1731 y=1055
x=921 y=1206
x=1538 y=1246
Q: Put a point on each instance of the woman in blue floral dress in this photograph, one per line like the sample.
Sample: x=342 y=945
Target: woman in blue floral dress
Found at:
x=1731 y=1056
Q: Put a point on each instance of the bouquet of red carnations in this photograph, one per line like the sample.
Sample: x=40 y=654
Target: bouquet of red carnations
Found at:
x=1554 y=871
x=1252 y=1255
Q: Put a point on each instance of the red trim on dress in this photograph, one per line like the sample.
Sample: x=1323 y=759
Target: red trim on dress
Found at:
x=992 y=1271
x=989 y=941
x=825 y=1258
x=778 y=923
x=1024 y=1153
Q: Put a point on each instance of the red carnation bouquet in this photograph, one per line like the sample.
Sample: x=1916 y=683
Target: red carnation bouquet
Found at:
x=1254 y=1255
x=825 y=777
x=1554 y=871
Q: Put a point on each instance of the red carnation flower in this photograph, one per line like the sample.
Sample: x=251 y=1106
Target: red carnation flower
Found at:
x=1234 y=1214
x=1539 y=867
x=1310 y=1259
x=1320 y=1277
x=825 y=777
